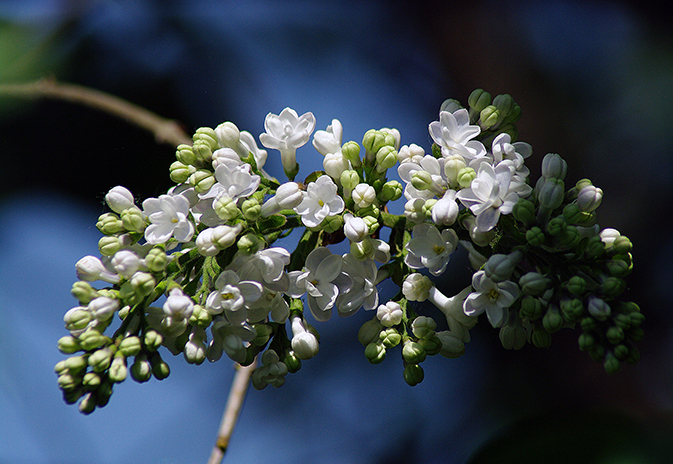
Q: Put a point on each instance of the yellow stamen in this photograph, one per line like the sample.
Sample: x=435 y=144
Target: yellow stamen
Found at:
x=439 y=249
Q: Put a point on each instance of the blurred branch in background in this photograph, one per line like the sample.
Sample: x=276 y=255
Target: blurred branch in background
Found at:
x=164 y=130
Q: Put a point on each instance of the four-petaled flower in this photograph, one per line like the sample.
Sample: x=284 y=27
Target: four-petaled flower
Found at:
x=321 y=200
x=492 y=297
x=169 y=216
x=454 y=133
x=286 y=132
x=430 y=249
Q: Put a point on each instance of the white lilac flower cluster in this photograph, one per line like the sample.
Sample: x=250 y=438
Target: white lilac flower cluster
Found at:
x=203 y=270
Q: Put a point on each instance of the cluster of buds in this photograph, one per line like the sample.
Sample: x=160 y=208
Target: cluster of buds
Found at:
x=203 y=270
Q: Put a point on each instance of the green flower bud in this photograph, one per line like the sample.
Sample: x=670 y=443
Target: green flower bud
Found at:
x=478 y=100
x=621 y=352
x=110 y=224
x=552 y=320
x=615 y=335
x=130 y=346
x=586 y=341
x=160 y=369
x=390 y=337
x=531 y=308
x=351 y=151
x=513 y=337
x=556 y=226
x=499 y=267
x=91 y=339
x=636 y=334
x=452 y=345
x=372 y=223
x=391 y=191
x=427 y=207
x=413 y=352
x=423 y=327
x=413 y=374
x=636 y=319
x=569 y=237
x=185 y=155
x=371 y=210
x=465 y=177
x=551 y=193
x=118 y=370
x=143 y=283
x=68 y=345
x=109 y=245
x=292 y=362
x=451 y=105
x=588 y=324
x=613 y=287
x=92 y=380
x=432 y=346
x=200 y=317
x=541 y=338
x=180 y=172
x=67 y=382
x=77 y=318
x=264 y=332
x=100 y=359
x=141 y=369
x=153 y=340
x=374 y=140
x=535 y=236
x=634 y=355
x=595 y=247
x=76 y=364
x=622 y=245
x=572 y=310
x=251 y=209
x=203 y=152
x=375 y=352
x=226 y=209
x=129 y=294
x=349 y=179
x=134 y=220
x=553 y=166
x=618 y=267
x=611 y=364
x=386 y=158
x=369 y=331
x=422 y=180
x=533 y=283
x=206 y=135
x=202 y=180
x=83 y=291
x=576 y=285
x=489 y=116
x=88 y=404
x=156 y=260
x=331 y=224
x=524 y=211
x=362 y=250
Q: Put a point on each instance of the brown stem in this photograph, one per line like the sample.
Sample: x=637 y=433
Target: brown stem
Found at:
x=239 y=388
x=164 y=130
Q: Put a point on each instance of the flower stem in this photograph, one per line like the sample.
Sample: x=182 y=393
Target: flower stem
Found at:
x=232 y=410
x=164 y=130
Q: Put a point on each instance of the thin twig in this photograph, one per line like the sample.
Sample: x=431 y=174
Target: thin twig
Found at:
x=239 y=388
x=164 y=130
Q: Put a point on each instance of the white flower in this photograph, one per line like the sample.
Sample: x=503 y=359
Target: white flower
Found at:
x=329 y=141
x=413 y=210
x=431 y=170
x=248 y=141
x=231 y=296
x=178 y=305
x=389 y=314
x=168 y=215
x=321 y=200
x=119 y=198
x=233 y=180
x=286 y=132
x=335 y=164
x=489 y=195
x=287 y=196
x=371 y=248
x=126 y=263
x=363 y=195
x=317 y=279
x=445 y=211
x=416 y=287
x=430 y=249
x=410 y=153
x=459 y=322
x=304 y=343
x=91 y=268
x=266 y=267
x=362 y=291
x=492 y=297
x=229 y=339
x=454 y=134
x=355 y=228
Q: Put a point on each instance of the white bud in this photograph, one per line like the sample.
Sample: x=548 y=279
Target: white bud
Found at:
x=363 y=195
x=389 y=314
x=126 y=263
x=304 y=343
x=90 y=269
x=119 y=198
x=355 y=228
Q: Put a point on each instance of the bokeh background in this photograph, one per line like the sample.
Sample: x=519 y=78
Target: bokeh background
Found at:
x=595 y=82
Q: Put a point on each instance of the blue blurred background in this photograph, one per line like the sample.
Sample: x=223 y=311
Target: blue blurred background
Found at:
x=595 y=82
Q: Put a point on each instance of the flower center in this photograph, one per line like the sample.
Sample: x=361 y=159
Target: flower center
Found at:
x=493 y=294
x=228 y=296
x=320 y=202
x=438 y=249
